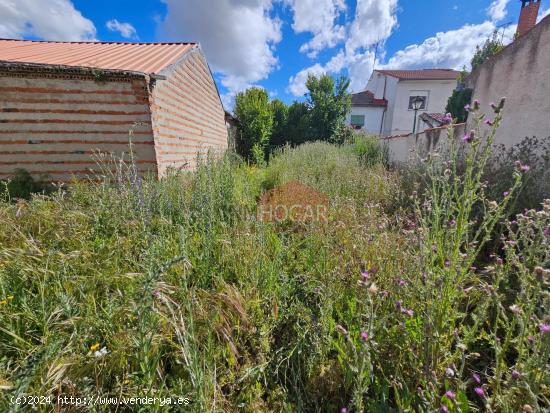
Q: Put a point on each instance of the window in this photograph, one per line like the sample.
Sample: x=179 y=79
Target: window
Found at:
x=357 y=121
x=423 y=99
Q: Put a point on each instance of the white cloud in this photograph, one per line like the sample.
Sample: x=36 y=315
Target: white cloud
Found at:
x=319 y=18
x=497 y=10
x=543 y=14
x=373 y=23
x=126 y=30
x=48 y=20
x=237 y=36
x=297 y=83
x=453 y=49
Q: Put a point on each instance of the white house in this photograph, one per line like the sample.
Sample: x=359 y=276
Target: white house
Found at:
x=366 y=112
x=392 y=93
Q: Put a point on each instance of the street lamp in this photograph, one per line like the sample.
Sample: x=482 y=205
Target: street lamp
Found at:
x=417 y=103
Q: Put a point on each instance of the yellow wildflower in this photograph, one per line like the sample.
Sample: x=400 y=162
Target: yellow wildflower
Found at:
x=94 y=347
x=3 y=302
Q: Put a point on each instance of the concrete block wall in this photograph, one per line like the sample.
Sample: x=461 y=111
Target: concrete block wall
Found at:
x=51 y=123
x=187 y=114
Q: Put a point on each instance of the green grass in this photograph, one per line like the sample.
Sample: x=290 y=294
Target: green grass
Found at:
x=192 y=297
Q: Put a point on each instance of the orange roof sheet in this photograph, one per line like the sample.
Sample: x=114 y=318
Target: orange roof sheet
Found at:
x=423 y=74
x=135 y=57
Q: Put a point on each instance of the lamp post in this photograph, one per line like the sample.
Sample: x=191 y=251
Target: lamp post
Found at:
x=416 y=104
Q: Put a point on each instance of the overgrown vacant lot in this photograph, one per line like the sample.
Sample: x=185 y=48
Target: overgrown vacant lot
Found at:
x=398 y=302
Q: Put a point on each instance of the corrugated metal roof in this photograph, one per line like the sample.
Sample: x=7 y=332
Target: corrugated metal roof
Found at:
x=135 y=57
x=423 y=74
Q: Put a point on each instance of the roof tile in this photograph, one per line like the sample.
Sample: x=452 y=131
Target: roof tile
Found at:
x=423 y=74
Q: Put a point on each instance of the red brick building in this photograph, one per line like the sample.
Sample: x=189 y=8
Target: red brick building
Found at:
x=60 y=102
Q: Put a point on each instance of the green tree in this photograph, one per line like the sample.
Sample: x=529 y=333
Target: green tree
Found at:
x=329 y=103
x=255 y=116
x=455 y=105
x=491 y=47
x=298 y=128
x=280 y=114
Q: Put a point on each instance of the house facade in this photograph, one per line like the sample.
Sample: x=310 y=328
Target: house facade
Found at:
x=60 y=102
x=367 y=112
x=398 y=89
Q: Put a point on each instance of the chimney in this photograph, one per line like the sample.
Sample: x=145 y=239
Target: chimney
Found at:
x=528 y=16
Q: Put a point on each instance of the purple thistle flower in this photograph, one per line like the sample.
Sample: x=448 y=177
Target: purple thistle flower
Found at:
x=531 y=339
x=365 y=275
x=343 y=410
x=398 y=303
x=450 y=395
x=467 y=107
x=516 y=374
x=364 y=335
x=401 y=282
x=547 y=232
x=448 y=118
x=449 y=372
x=469 y=137
x=476 y=378
x=444 y=409
x=506 y=193
x=522 y=168
x=480 y=391
x=545 y=328
x=447 y=263
x=408 y=312
x=489 y=122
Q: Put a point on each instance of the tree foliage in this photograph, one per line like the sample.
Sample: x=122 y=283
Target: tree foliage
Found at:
x=456 y=103
x=298 y=128
x=491 y=47
x=329 y=103
x=255 y=116
x=265 y=125
x=280 y=116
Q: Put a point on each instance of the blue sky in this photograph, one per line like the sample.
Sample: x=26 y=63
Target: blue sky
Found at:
x=276 y=43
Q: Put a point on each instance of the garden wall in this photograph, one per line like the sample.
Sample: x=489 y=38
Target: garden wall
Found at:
x=521 y=73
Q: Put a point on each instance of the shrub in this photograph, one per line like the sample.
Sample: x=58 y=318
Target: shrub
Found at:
x=21 y=186
x=370 y=150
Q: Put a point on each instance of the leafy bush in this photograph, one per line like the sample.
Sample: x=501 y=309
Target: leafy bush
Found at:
x=370 y=150
x=491 y=47
x=457 y=103
x=21 y=186
x=535 y=188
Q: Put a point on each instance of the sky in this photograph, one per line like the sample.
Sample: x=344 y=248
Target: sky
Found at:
x=275 y=44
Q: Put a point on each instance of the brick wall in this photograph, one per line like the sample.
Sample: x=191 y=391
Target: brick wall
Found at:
x=188 y=117
x=528 y=17
x=52 y=123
